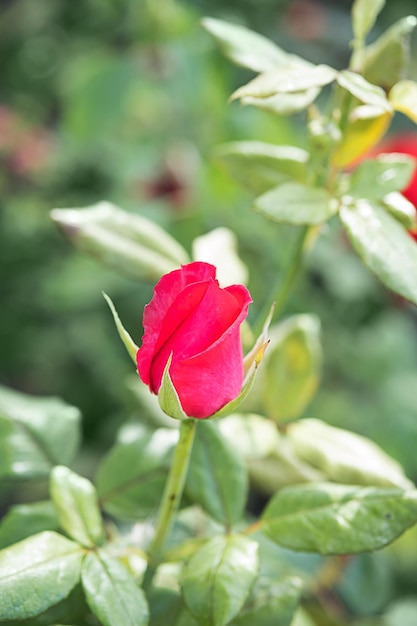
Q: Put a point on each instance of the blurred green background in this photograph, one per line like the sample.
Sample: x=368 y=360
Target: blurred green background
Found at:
x=125 y=101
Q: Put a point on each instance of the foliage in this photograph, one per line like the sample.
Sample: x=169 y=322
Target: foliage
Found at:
x=259 y=517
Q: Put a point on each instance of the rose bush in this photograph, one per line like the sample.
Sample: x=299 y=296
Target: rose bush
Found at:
x=197 y=322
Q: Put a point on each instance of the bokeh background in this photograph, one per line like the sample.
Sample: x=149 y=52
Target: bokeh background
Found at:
x=125 y=101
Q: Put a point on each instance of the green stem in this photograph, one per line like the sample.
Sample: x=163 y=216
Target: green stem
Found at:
x=283 y=286
x=172 y=494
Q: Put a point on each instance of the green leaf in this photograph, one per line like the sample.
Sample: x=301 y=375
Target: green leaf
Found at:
x=385 y=61
x=128 y=342
x=294 y=203
x=35 y=434
x=218 y=578
x=112 y=593
x=375 y=178
x=290 y=79
x=403 y=97
x=284 y=103
x=383 y=245
x=124 y=241
x=37 y=573
x=23 y=520
x=245 y=47
x=291 y=371
x=273 y=606
x=364 y=14
x=345 y=457
x=402 y=209
x=217 y=478
x=260 y=166
x=75 y=501
x=363 y=90
x=338 y=519
x=131 y=477
x=254 y=436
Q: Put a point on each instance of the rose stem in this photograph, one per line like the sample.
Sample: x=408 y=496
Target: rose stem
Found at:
x=283 y=286
x=172 y=495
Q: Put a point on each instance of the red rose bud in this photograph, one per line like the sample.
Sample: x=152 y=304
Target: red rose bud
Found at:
x=197 y=323
x=404 y=144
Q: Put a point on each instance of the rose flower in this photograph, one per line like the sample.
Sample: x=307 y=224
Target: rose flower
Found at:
x=197 y=323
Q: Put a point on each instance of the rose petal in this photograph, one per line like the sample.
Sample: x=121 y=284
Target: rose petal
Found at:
x=165 y=293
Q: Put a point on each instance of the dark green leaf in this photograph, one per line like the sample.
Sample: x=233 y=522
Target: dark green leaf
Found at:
x=273 y=606
x=383 y=245
x=375 y=178
x=260 y=166
x=124 y=241
x=364 y=14
x=37 y=573
x=385 y=61
x=217 y=478
x=294 y=203
x=345 y=457
x=112 y=593
x=218 y=578
x=75 y=501
x=23 y=520
x=245 y=47
x=35 y=434
x=338 y=519
x=131 y=477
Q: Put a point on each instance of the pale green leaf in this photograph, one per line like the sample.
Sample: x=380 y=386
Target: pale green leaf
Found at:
x=273 y=605
x=363 y=90
x=345 y=457
x=260 y=166
x=217 y=580
x=245 y=47
x=385 y=61
x=383 y=245
x=364 y=14
x=403 y=97
x=338 y=519
x=35 y=434
x=75 y=501
x=375 y=178
x=217 y=478
x=291 y=79
x=294 y=203
x=37 y=573
x=402 y=209
x=124 y=241
x=284 y=103
x=23 y=520
x=219 y=247
x=253 y=436
x=127 y=340
x=291 y=371
x=131 y=477
x=112 y=593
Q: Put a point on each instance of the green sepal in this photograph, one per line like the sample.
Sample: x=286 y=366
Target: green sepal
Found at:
x=168 y=397
x=76 y=503
x=127 y=340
